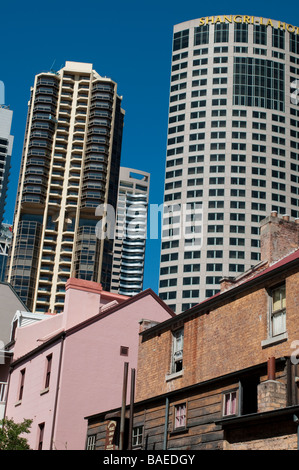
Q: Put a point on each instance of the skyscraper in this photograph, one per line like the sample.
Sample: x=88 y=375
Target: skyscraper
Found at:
x=70 y=165
x=6 y=143
x=5 y=241
x=131 y=232
x=232 y=149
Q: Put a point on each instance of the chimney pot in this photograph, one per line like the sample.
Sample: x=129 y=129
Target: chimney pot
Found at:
x=274 y=214
x=286 y=217
x=271 y=368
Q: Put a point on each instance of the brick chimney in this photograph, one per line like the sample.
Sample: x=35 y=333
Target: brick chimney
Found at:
x=226 y=283
x=146 y=324
x=279 y=237
x=271 y=394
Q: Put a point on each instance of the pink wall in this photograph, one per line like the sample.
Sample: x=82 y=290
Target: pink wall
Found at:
x=35 y=404
x=35 y=334
x=92 y=367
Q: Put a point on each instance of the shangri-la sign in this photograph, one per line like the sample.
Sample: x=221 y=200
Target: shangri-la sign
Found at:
x=249 y=20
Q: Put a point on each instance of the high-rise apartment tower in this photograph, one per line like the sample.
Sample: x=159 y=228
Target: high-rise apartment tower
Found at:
x=131 y=232
x=70 y=165
x=233 y=147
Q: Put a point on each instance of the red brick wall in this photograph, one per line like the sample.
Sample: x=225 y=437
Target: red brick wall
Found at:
x=225 y=340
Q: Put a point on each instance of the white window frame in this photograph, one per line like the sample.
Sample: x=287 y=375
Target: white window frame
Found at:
x=278 y=315
x=177 y=350
x=180 y=416
x=276 y=332
x=137 y=436
x=91 y=442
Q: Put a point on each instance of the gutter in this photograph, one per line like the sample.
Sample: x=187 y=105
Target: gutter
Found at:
x=166 y=424
x=57 y=390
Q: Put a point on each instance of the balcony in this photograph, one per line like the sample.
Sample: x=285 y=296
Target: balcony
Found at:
x=43 y=300
x=100 y=105
x=45 y=279
x=99 y=122
x=39 y=171
x=100 y=113
x=45 y=81
x=39 y=144
x=96 y=158
x=46 y=269
x=58 y=174
x=48 y=99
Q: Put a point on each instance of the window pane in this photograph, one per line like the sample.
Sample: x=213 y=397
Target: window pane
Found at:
x=227 y=404
x=279 y=323
x=276 y=300
x=230 y=403
x=233 y=402
x=177 y=357
x=278 y=310
x=137 y=436
x=180 y=416
x=279 y=298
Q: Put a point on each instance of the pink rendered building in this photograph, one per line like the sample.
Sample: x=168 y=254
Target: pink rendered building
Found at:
x=70 y=365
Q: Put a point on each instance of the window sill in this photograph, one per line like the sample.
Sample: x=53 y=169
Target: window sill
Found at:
x=174 y=375
x=45 y=390
x=179 y=431
x=274 y=340
x=18 y=403
x=233 y=415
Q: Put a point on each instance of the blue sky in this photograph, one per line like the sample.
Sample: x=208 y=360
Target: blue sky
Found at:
x=128 y=41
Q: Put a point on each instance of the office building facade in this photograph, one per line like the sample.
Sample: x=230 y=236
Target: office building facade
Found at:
x=131 y=232
x=6 y=143
x=70 y=165
x=232 y=148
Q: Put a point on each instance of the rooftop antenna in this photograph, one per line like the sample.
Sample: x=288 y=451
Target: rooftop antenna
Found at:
x=52 y=66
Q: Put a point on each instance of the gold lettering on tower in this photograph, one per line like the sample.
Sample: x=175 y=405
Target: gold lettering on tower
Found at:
x=235 y=19
x=248 y=20
x=290 y=28
x=210 y=19
x=218 y=19
x=281 y=24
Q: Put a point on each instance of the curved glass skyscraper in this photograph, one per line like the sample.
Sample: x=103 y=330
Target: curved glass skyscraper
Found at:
x=232 y=148
x=6 y=143
x=130 y=239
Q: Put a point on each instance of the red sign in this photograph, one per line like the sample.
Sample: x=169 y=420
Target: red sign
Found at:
x=111 y=427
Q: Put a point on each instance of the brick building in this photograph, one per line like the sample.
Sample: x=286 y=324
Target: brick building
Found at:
x=224 y=374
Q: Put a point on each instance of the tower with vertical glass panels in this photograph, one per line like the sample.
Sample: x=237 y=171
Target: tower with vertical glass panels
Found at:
x=232 y=148
x=70 y=165
x=131 y=232
x=6 y=143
